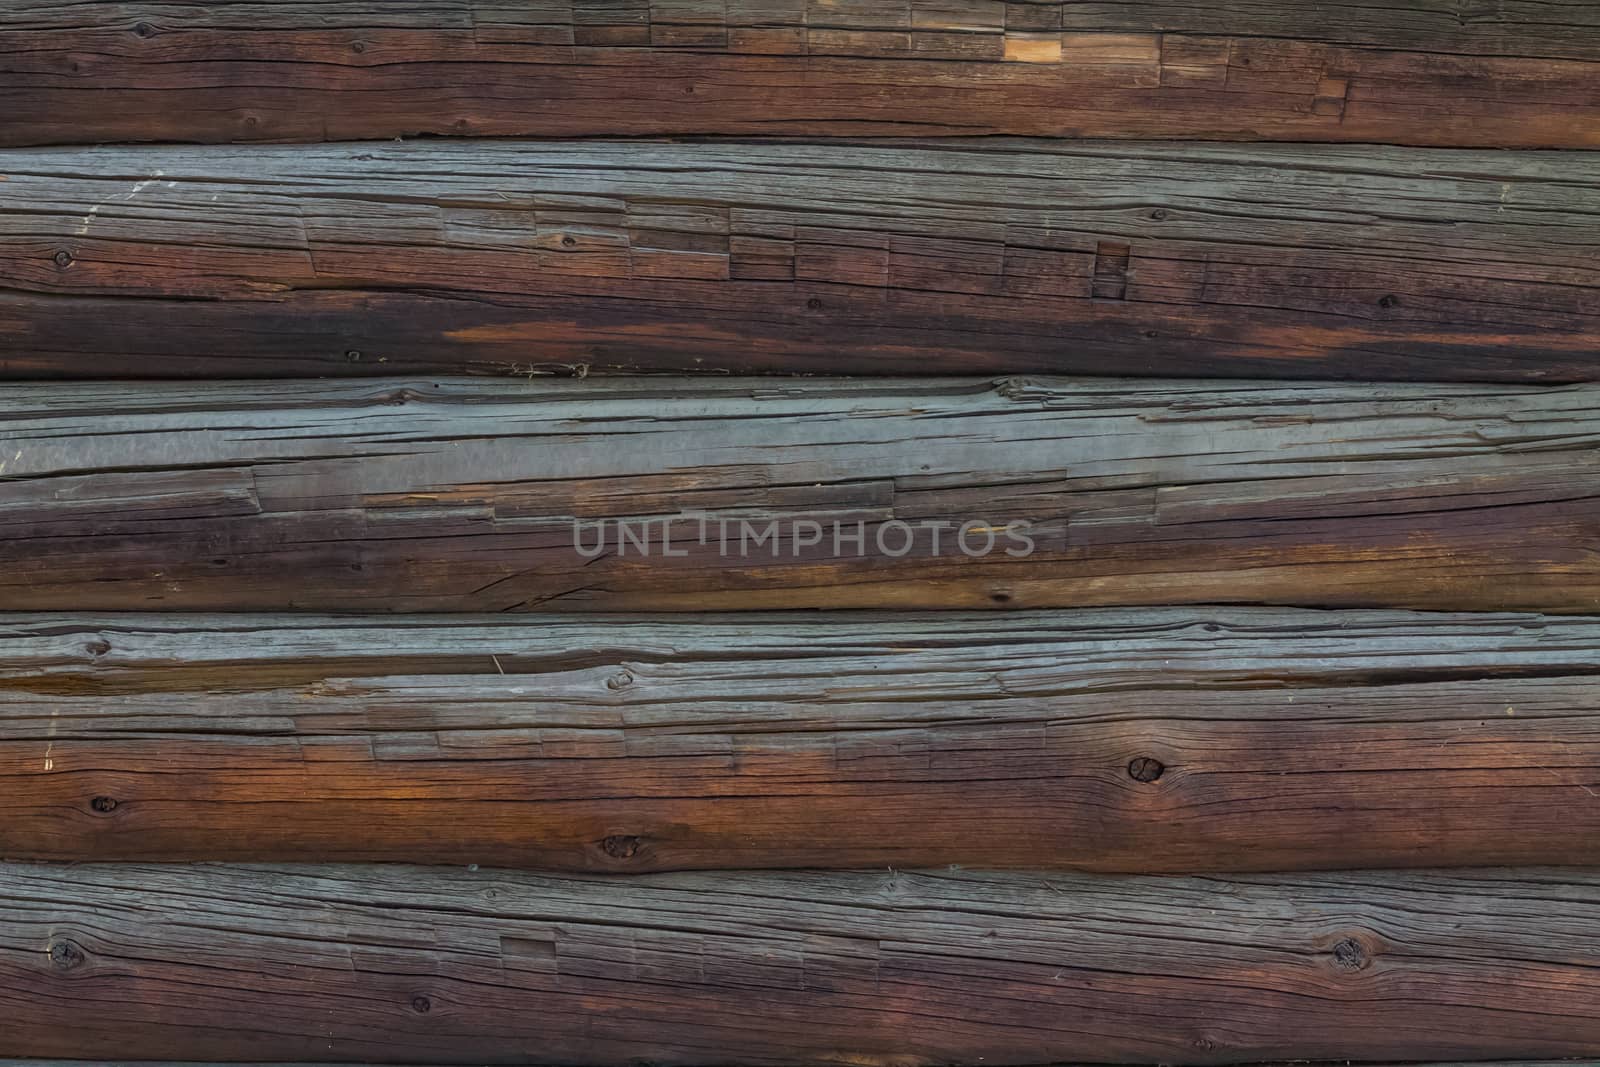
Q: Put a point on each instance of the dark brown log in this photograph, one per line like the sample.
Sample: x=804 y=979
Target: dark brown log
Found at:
x=405 y=964
x=520 y=258
x=1154 y=741
x=479 y=495
x=1514 y=73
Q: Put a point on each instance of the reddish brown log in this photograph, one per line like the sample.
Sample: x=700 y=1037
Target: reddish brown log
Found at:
x=1516 y=74
x=1153 y=740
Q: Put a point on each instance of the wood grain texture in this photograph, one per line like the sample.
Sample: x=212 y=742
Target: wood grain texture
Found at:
x=1514 y=73
x=481 y=495
x=1016 y=257
x=1154 y=740
x=405 y=964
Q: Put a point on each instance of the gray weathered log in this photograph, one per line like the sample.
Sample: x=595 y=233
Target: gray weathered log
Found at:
x=529 y=258
x=402 y=964
x=465 y=495
x=1135 y=740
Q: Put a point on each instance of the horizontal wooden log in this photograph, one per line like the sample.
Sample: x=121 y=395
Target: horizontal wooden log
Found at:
x=403 y=964
x=1517 y=73
x=526 y=259
x=667 y=494
x=1123 y=740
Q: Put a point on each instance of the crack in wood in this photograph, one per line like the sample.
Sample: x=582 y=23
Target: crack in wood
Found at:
x=1109 y=278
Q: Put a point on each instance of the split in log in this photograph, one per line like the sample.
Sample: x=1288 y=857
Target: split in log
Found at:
x=1161 y=740
x=638 y=494
x=1513 y=73
x=406 y=964
x=528 y=259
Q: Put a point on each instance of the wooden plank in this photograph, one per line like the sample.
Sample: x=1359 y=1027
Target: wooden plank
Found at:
x=1122 y=740
x=404 y=964
x=703 y=494
x=1514 y=73
x=553 y=258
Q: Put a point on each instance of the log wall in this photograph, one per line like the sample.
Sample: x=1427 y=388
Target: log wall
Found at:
x=413 y=414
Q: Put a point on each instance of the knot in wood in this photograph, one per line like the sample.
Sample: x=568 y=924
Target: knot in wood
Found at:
x=620 y=846
x=63 y=259
x=421 y=1005
x=66 y=955
x=104 y=805
x=1145 y=769
x=620 y=680
x=1350 y=954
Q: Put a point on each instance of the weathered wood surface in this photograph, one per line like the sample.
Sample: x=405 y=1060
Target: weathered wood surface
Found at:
x=1125 y=740
x=1512 y=73
x=649 y=493
x=395 y=963
x=1026 y=257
